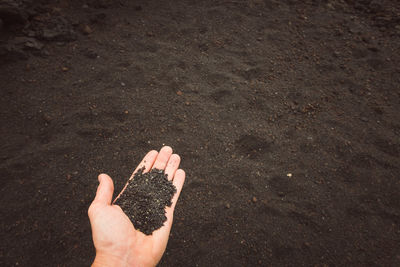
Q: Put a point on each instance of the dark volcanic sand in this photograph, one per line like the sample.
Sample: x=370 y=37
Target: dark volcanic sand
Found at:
x=145 y=198
x=245 y=92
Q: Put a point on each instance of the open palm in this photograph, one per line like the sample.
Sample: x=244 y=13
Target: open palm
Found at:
x=116 y=240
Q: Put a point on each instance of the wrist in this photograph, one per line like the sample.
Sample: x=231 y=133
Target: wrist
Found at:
x=109 y=260
x=102 y=260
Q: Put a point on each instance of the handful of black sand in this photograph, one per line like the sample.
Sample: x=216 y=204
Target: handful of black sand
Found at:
x=145 y=198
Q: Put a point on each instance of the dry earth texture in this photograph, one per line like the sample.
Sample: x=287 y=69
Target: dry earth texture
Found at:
x=286 y=115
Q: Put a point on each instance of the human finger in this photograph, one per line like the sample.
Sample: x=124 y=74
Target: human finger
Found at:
x=162 y=158
x=105 y=190
x=179 y=180
x=145 y=164
x=172 y=166
x=163 y=232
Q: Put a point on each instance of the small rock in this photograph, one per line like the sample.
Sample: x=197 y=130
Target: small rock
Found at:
x=27 y=43
x=254 y=199
x=336 y=53
x=227 y=205
x=45 y=53
x=34 y=44
x=289 y=175
x=64 y=69
x=47 y=118
x=58 y=29
x=86 y=29
x=49 y=34
x=281 y=194
x=330 y=6
x=179 y=93
x=90 y=53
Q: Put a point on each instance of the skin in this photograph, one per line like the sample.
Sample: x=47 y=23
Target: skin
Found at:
x=116 y=240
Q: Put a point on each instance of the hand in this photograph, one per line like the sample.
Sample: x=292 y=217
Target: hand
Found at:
x=116 y=240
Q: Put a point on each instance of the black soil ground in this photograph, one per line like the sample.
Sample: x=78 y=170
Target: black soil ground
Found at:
x=286 y=115
x=145 y=198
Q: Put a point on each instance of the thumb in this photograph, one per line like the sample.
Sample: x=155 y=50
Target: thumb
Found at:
x=105 y=190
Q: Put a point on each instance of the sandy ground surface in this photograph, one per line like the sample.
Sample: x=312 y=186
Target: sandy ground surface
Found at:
x=286 y=115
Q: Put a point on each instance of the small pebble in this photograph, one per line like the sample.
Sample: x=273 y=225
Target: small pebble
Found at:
x=254 y=199
x=47 y=118
x=86 y=29
x=90 y=54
